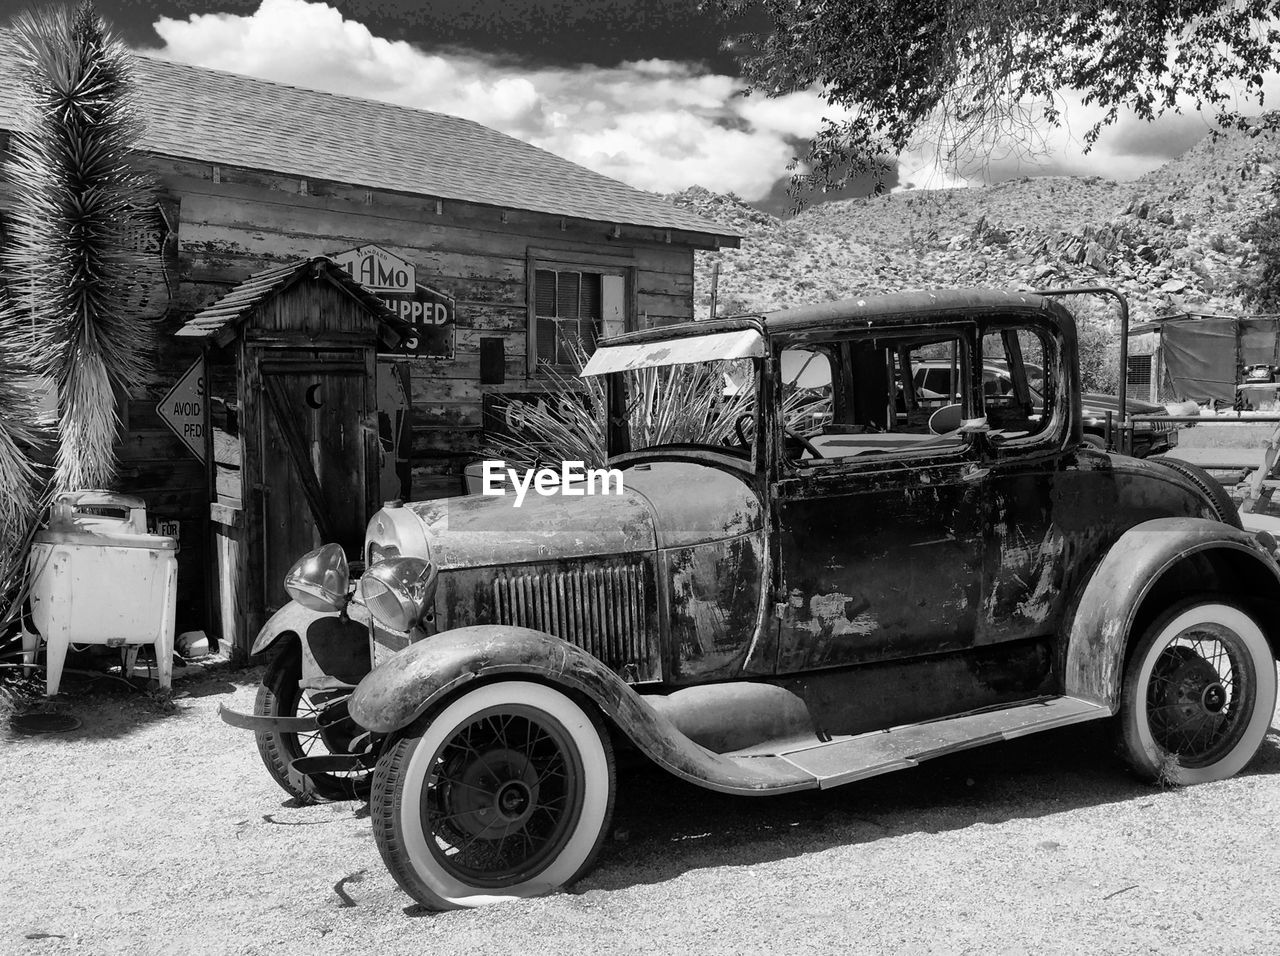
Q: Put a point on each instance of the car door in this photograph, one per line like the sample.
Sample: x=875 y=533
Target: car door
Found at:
x=1025 y=548
x=877 y=519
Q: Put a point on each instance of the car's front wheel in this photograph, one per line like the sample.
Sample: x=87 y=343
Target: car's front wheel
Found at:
x=1198 y=695
x=281 y=696
x=506 y=791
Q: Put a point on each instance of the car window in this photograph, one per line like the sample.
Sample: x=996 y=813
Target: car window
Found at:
x=1013 y=382
x=874 y=398
x=806 y=376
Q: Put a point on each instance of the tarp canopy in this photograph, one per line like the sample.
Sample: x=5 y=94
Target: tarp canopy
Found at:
x=1203 y=356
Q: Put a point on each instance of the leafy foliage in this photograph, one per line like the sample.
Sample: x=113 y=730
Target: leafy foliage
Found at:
x=73 y=263
x=971 y=77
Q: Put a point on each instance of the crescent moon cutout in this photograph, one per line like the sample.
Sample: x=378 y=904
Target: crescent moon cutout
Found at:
x=313 y=395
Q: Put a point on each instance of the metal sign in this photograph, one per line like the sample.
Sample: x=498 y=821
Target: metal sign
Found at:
x=379 y=270
x=182 y=409
x=432 y=313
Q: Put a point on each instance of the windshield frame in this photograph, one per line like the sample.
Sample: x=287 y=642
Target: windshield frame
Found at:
x=618 y=438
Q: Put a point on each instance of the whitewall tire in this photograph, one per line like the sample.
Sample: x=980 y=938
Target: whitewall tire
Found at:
x=1198 y=696
x=506 y=792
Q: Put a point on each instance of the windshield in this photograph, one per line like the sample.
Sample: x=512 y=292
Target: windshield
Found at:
x=711 y=404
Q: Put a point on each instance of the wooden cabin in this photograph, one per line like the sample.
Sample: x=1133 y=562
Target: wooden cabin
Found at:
x=502 y=254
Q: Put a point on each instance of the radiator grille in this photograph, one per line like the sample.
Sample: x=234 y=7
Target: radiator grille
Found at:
x=601 y=610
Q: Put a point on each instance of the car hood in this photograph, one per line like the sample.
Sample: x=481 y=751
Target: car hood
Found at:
x=480 y=530
x=663 y=504
x=1097 y=405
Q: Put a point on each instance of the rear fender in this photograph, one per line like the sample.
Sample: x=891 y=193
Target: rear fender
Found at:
x=1103 y=612
x=413 y=682
x=335 y=647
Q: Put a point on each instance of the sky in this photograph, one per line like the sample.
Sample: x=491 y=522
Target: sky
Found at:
x=640 y=90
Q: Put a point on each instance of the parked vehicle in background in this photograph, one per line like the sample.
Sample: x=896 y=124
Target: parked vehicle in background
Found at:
x=1097 y=411
x=1259 y=374
x=782 y=605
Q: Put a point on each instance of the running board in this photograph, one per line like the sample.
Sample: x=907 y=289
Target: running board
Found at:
x=846 y=759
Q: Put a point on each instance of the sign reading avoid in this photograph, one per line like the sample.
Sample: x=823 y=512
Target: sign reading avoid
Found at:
x=183 y=408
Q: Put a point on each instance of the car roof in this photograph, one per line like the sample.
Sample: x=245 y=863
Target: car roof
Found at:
x=905 y=307
x=886 y=311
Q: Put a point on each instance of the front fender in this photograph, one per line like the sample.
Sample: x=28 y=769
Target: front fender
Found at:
x=293 y=619
x=410 y=684
x=335 y=647
x=1103 y=611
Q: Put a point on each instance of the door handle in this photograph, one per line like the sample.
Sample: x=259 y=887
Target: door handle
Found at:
x=975 y=473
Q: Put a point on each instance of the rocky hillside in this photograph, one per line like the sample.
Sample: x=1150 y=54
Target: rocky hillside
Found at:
x=1170 y=240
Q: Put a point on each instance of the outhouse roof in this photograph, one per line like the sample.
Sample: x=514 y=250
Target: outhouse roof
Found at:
x=222 y=320
x=224 y=118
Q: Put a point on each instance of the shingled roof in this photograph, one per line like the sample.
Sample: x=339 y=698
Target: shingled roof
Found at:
x=224 y=118
x=221 y=320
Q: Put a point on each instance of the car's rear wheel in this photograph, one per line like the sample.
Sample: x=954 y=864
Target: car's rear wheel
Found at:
x=506 y=791
x=1198 y=695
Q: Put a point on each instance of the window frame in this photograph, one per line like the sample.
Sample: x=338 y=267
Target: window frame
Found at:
x=571 y=260
x=1050 y=436
x=839 y=345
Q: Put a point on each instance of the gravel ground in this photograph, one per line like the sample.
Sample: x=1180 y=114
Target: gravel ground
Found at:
x=155 y=832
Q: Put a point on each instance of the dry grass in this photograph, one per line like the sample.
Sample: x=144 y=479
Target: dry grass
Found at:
x=667 y=405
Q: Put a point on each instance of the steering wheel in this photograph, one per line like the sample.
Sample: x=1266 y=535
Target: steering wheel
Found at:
x=740 y=428
x=807 y=445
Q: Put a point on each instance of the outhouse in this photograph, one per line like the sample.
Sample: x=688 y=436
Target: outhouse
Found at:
x=293 y=442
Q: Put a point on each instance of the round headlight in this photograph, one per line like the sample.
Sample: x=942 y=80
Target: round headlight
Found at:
x=319 y=579
x=398 y=591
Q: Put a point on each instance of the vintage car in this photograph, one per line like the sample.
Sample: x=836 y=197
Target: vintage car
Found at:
x=763 y=608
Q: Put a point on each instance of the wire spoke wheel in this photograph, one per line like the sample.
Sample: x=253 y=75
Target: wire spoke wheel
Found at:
x=1194 y=706
x=280 y=696
x=506 y=791
x=1198 y=694
x=503 y=796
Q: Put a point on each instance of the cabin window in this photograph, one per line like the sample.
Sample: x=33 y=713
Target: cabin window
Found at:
x=1019 y=384
x=572 y=310
x=870 y=399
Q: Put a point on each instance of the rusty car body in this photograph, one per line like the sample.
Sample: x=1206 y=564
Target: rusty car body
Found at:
x=807 y=599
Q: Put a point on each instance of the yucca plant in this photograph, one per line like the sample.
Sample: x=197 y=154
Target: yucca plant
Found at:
x=670 y=404
x=22 y=480
x=73 y=262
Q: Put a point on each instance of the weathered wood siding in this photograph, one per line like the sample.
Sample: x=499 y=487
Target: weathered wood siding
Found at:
x=238 y=222
x=233 y=222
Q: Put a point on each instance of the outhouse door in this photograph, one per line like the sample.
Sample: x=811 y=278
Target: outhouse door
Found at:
x=319 y=460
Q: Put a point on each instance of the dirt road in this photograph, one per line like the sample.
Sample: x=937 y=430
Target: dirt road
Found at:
x=146 y=832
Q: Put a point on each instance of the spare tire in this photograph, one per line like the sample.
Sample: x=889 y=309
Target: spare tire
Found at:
x=1222 y=503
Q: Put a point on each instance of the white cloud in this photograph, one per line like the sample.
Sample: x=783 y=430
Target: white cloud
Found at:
x=656 y=124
